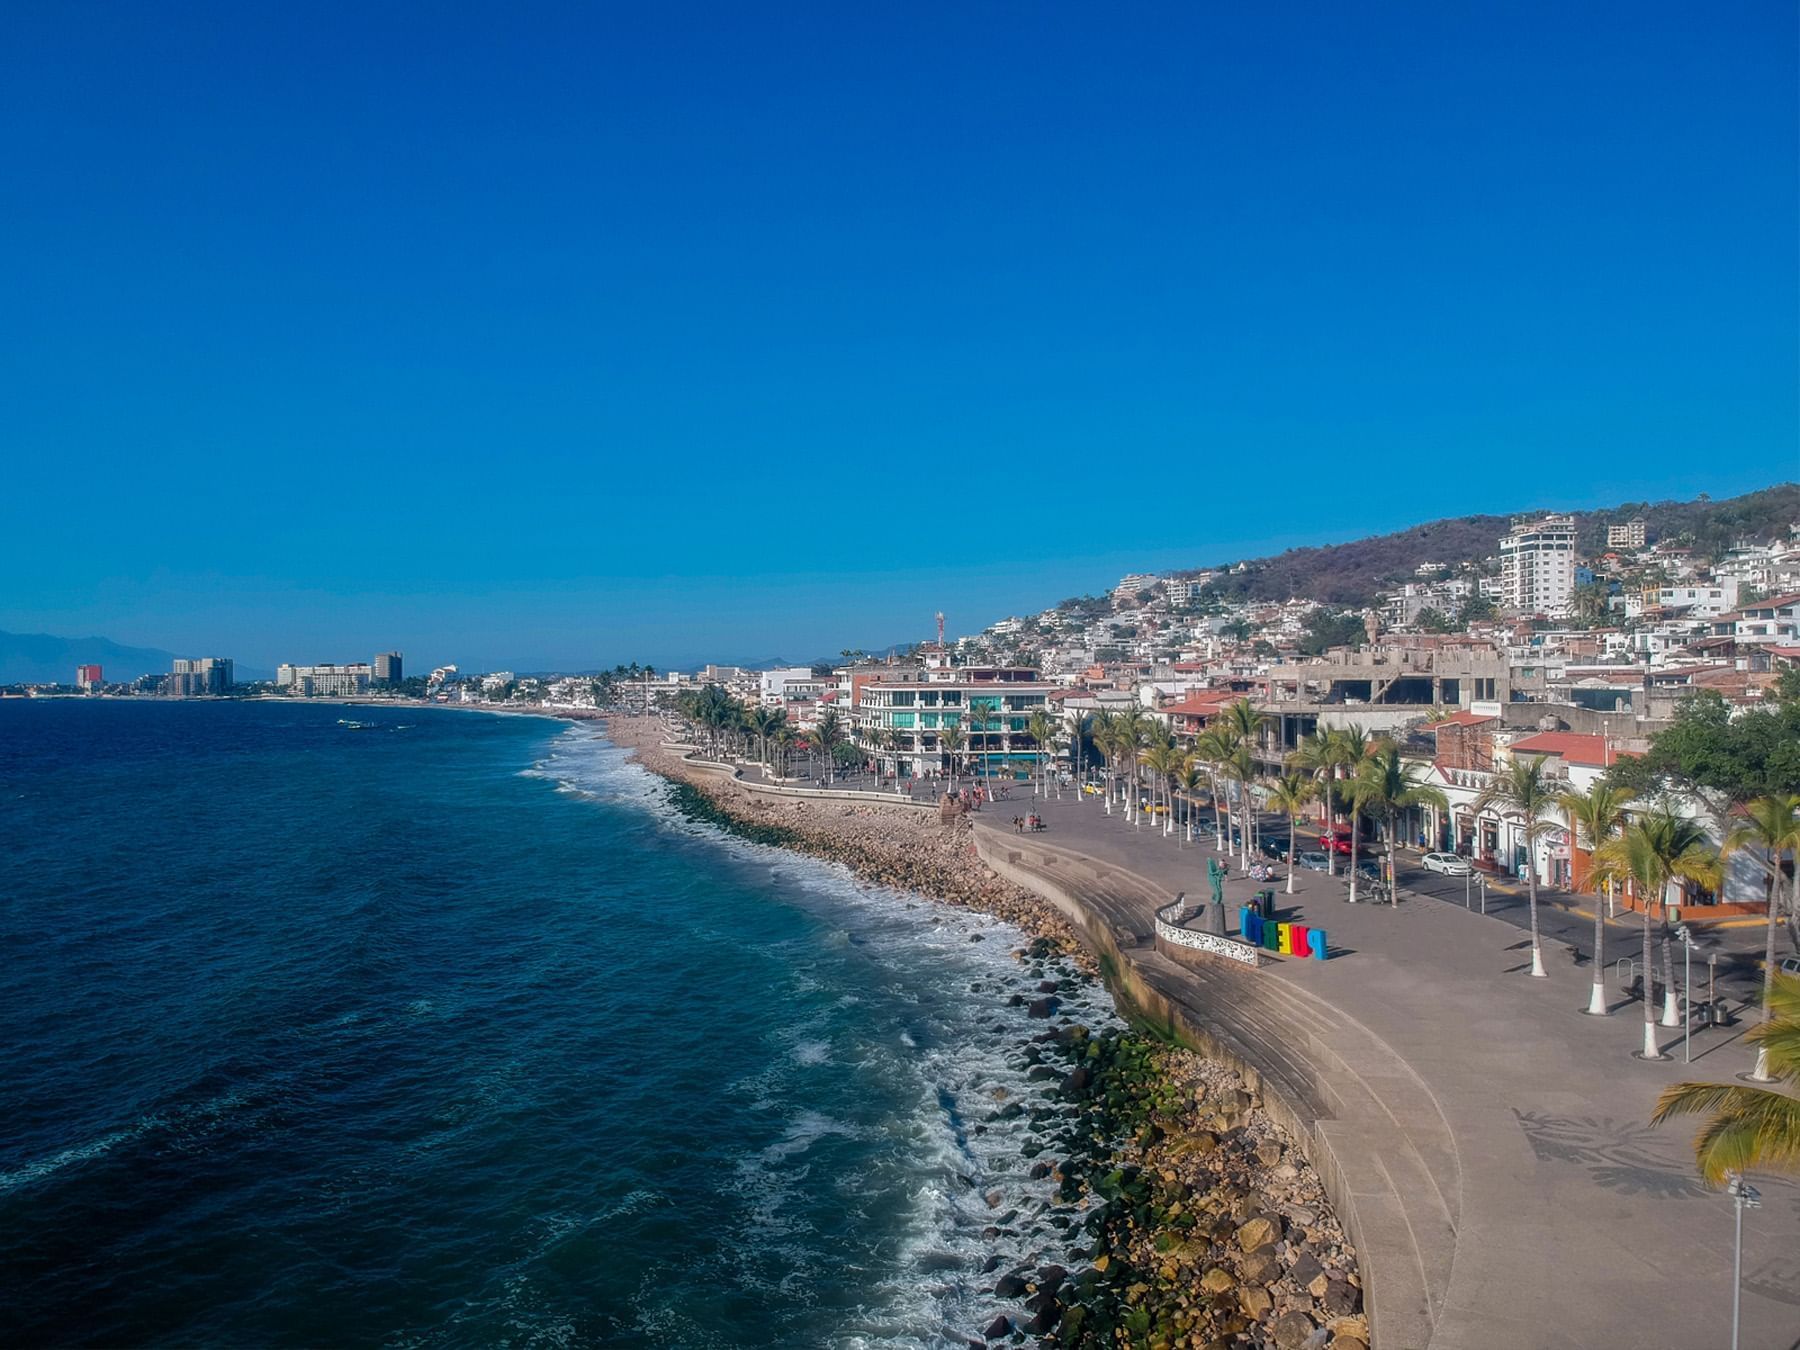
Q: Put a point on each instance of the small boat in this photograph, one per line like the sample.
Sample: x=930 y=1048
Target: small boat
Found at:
x=357 y=726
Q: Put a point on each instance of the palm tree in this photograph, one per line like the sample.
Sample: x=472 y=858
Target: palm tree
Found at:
x=828 y=734
x=1132 y=729
x=1043 y=730
x=1212 y=748
x=950 y=741
x=976 y=713
x=1076 y=726
x=1189 y=778
x=1317 y=756
x=1106 y=741
x=1162 y=759
x=1595 y=816
x=1770 y=823
x=1650 y=853
x=1352 y=748
x=1239 y=767
x=1749 y=1126
x=1387 y=785
x=1524 y=790
x=1289 y=795
x=785 y=737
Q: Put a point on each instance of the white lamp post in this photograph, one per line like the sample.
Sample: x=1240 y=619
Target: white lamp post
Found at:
x=1744 y=1196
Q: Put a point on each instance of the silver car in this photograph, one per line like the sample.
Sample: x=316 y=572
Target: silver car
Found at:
x=1446 y=864
x=1315 y=862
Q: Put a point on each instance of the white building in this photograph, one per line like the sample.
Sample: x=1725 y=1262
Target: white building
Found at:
x=1629 y=535
x=1537 y=566
x=1128 y=587
x=325 y=681
x=902 y=721
x=793 y=684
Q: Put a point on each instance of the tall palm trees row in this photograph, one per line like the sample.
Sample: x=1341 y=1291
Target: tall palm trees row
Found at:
x=734 y=726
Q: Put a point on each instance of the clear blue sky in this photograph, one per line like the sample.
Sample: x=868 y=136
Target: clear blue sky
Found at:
x=564 y=335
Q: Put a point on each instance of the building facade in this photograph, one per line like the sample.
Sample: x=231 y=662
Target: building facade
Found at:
x=388 y=669
x=1629 y=535
x=325 y=681
x=1537 y=566
x=88 y=678
x=192 y=677
x=904 y=721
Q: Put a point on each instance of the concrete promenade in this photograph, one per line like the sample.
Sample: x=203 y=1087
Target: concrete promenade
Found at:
x=1486 y=1138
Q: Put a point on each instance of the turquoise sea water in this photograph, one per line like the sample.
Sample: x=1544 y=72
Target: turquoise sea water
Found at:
x=457 y=1031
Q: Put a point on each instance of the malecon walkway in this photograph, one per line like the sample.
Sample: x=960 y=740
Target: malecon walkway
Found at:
x=1486 y=1138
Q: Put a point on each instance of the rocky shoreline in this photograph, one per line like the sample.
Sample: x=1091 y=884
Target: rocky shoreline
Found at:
x=1193 y=1218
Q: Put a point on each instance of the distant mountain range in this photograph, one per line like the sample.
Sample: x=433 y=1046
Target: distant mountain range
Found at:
x=42 y=658
x=1354 y=573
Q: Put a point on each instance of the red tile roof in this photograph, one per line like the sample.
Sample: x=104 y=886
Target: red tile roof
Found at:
x=1200 y=703
x=1573 y=746
x=1463 y=719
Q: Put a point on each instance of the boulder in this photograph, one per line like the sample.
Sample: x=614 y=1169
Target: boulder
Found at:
x=1041 y=1007
x=1000 y=1326
x=1262 y=1231
x=1218 y=1280
x=1009 y=1286
x=1340 y=1299
x=1268 y=1153
x=1255 y=1302
x=1291 y=1330
x=1260 y=1266
x=1306 y=1269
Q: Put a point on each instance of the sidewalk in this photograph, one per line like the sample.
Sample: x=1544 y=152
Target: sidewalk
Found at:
x=1489 y=1134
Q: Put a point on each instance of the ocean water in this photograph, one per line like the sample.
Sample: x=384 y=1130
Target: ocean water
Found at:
x=458 y=1031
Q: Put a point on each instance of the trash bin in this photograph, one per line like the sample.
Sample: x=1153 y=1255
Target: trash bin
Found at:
x=1265 y=904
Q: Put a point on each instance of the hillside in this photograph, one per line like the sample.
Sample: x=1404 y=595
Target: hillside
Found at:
x=1353 y=573
x=40 y=658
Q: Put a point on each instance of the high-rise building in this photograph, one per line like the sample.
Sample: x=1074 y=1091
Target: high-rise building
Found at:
x=325 y=680
x=87 y=677
x=195 y=676
x=1537 y=566
x=387 y=669
x=1629 y=535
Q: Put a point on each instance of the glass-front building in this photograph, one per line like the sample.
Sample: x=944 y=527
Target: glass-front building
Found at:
x=902 y=723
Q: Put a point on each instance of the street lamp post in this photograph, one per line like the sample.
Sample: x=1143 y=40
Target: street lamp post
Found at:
x=1687 y=994
x=1468 y=881
x=1744 y=1196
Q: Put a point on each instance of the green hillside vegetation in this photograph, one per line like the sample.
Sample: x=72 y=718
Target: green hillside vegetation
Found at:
x=1355 y=573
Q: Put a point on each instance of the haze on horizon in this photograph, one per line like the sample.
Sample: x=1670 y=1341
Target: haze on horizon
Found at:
x=612 y=336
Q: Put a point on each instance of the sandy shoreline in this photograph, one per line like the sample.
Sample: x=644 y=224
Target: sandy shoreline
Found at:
x=1209 y=1226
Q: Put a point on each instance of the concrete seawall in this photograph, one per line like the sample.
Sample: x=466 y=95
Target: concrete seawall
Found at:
x=1280 y=1061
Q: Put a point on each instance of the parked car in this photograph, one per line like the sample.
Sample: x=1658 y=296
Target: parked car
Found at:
x=1314 y=861
x=1789 y=965
x=1274 y=848
x=1338 y=841
x=1446 y=864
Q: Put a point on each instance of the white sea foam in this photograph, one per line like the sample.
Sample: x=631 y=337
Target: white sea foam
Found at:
x=961 y=1048
x=179 y=1130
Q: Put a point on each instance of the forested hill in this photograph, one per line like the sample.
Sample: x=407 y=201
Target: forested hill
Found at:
x=1354 y=573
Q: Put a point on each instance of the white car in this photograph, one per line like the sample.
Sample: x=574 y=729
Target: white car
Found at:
x=1445 y=864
